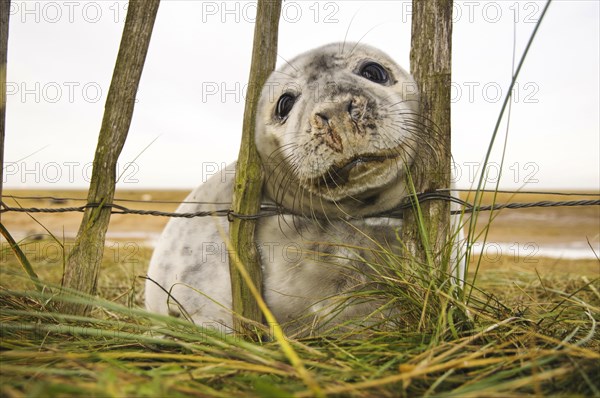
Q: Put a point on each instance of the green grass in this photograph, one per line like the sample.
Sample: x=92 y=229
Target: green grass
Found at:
x=520 y=334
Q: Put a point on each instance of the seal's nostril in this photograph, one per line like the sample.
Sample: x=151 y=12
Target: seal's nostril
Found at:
x=320 y=121
x=356 y=109
x=324 y=118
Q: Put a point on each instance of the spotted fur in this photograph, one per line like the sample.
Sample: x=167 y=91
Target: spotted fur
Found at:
x=340 y=154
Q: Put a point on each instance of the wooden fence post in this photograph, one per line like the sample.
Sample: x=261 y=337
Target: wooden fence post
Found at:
x=83 y=263
x=247 y=192
x=4 y=17
x=430 y=64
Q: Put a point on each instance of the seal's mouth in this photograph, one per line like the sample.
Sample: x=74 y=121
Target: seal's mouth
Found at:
x=359 y=176
x=340 y=175
x=359 y=173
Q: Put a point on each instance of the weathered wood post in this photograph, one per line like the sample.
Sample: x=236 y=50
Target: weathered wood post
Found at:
x=430 y=64
x=248 y=177
x=83 y=263
x=4 y=17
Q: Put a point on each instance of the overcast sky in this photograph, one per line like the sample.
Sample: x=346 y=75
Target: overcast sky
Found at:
x=190 y=101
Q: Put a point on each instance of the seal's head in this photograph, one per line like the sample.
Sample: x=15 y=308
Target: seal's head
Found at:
x=337 y=130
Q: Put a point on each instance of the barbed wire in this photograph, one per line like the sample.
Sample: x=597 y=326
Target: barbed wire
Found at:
x=554 y=193
x=269 y=210
x=446 y=190
x=63 y=199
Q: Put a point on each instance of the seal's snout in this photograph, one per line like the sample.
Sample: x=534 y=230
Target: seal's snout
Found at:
x=354 y=107
x=327 y=131
x=340 y=121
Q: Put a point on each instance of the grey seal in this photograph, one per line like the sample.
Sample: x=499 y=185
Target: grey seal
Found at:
x=336 y=130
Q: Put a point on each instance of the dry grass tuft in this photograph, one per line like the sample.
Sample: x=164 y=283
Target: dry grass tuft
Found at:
x=519 y=334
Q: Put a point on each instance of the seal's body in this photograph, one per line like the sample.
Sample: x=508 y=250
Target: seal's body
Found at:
x=336 y=129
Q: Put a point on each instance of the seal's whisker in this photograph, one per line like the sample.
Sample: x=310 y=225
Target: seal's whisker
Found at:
x=288 y=63
x=365 y=35
x=343 y=44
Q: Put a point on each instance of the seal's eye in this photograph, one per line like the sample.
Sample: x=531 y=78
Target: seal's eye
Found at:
x=374 y=72
x=284 y=105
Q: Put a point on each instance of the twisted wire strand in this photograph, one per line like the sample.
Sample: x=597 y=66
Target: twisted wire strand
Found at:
x=269 y=210
x=445 y=190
